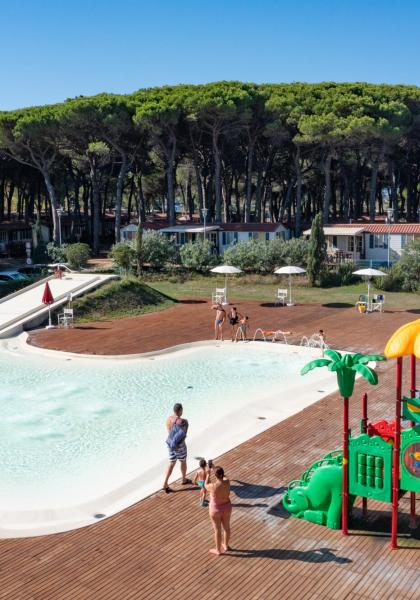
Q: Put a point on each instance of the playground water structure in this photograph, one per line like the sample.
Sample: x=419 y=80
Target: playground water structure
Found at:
x=382 y=462
x=83 y=437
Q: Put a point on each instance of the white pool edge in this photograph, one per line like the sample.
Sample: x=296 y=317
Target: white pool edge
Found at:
x=47 y=521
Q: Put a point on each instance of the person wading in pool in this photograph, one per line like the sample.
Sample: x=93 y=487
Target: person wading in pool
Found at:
x=219 y=321
x=177 y=432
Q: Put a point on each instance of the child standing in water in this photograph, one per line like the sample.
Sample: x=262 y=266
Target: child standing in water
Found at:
x=323 y=340
x=243 y=327
x=200 y=479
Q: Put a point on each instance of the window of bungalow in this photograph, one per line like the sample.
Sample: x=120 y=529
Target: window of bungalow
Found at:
x=378 y=241
x=406 y=239
x=3 y=236
x=359 y=244
x=253 y=235
x=350 y=244
x=267 y=236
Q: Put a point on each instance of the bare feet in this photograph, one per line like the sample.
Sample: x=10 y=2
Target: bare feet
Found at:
x=226 y=548
x=215 y=551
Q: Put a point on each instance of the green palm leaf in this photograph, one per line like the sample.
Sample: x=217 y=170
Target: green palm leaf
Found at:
x=334 y=366
x=319 y=362
x=367 y=373
x=333 y=354
x=364 y=359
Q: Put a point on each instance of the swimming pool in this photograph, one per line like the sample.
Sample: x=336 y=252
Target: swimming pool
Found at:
x=82 y=437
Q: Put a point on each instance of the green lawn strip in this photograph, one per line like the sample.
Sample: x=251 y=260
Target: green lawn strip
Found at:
x=265 y=289
x=127 y=297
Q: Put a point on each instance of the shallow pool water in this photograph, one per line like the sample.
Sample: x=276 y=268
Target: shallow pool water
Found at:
x=78 y=428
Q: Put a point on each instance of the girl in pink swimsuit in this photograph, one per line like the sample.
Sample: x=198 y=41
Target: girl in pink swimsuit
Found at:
x=220 y=509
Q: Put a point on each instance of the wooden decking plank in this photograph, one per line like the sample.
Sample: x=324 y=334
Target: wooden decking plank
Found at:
x=158 y=547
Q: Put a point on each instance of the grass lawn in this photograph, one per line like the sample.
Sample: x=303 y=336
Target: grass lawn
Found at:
x=127 y=297
x=264 y=288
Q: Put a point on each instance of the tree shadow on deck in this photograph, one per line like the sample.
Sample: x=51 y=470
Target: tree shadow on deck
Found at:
x=318 y=555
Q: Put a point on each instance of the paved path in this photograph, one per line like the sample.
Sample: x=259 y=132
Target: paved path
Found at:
x=23 y=306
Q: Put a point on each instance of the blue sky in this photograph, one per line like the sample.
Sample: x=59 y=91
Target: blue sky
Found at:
x=52 y=50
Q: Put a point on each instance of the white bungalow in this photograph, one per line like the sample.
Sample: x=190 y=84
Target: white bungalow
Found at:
x=378 y=243
x=221 y=236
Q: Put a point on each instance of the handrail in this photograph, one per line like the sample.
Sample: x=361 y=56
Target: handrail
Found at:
x=26 y=288
x=58 y=300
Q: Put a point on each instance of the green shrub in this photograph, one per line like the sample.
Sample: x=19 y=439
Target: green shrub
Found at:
x=198 y=256
x=329 y=277
x=265 y=257
x=57 y=253
x=246 y=256
x=77 y=255
x=345 y=273
x=392 y=282
x=122 y=255
x=409 y=267
x=157 y=249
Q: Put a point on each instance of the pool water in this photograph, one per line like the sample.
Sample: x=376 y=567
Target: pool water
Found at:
x=71 y=430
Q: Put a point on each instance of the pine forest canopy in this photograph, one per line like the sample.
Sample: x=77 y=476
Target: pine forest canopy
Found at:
x=276 y=152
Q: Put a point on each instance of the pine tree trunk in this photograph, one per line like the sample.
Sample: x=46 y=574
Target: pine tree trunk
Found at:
x=54 y=206
x=298 y=216
x=96 y=205
x=248 y=198
x=170 y=172
x=217 y=178
x=372 y=195
x=118 y=196
x=327 y=192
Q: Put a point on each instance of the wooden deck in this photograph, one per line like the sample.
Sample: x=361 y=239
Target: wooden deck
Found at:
x=157 y=549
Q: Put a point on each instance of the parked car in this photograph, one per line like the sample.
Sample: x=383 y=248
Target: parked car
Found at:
x=10 y=276
x=34 y=270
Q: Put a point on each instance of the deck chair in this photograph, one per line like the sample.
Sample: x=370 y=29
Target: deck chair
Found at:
x=66 y=318
x=219 y=296
x=378 y=303
x=281 y=296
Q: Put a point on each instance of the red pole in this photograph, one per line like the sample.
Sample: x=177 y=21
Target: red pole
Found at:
x=412 y=394
x=345 y=505
x=364 y=430
x=396 y=456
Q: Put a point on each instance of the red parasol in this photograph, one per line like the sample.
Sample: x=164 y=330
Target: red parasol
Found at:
x=47 y=297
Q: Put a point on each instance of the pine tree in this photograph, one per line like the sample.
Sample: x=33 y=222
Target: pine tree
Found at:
x=317 y=251
x=139 y=248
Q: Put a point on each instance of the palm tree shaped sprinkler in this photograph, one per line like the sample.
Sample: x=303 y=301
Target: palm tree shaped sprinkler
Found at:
x=346 y=368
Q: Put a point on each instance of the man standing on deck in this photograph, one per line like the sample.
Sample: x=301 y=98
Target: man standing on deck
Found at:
x=177 y=432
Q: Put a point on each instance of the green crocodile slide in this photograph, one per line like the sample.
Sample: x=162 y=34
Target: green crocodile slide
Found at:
x=316 y=496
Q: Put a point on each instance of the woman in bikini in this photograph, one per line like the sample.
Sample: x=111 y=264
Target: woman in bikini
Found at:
x=220 y=509
x=234 y=317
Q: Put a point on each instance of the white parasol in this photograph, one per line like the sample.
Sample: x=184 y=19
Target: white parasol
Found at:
x=290 y=270
x=226 y=270
x=369 y=273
